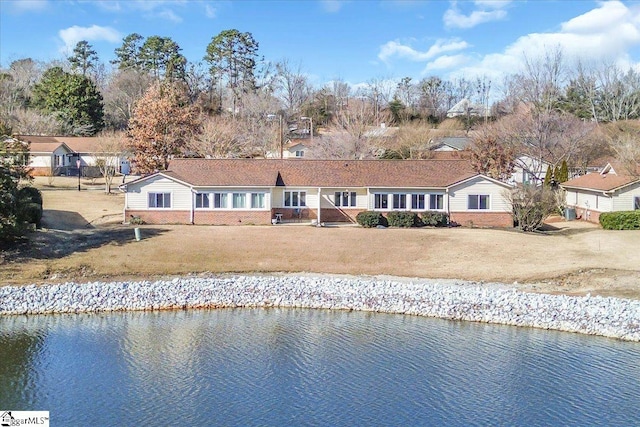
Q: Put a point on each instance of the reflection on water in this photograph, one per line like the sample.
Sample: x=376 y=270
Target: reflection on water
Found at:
x=311 y=367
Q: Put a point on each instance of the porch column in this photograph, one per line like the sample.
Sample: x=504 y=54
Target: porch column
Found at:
x=191 y=210
x=319 y=203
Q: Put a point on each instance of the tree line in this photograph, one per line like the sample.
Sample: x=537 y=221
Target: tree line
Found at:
x=234 y=103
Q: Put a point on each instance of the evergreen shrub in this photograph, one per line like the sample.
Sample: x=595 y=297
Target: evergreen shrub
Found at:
x=435 y=218
x=371 y=219
x=403 y=219
x=624 y=220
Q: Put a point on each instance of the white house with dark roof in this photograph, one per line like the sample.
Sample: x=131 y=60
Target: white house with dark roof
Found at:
x=259 y=191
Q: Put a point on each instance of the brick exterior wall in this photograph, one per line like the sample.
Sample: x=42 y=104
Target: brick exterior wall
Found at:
x=588 y=215
x=159 y=216
x=465 y=219
x=482 y=219
x=235 y=217
x=42 y=171
x=339 y=215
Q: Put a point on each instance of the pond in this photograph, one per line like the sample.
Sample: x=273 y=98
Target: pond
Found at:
x=311 y=367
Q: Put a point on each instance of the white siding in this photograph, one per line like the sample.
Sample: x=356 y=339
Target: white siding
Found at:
x=40 y=160
x=459 y=195
x=311 y=199
x=328 y=197
x=623 y=200
x=138 y=193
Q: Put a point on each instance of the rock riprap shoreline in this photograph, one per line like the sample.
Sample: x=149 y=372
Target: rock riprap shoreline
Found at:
x=457 y=300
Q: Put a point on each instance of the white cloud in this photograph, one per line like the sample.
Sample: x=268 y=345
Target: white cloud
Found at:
x=169 y=15
x=487 y=11
x=396 y=49
x=23 y=6
x=446 y=62
x=454 y=19
x=606 y=33
x=210 y=11
x=72 y=35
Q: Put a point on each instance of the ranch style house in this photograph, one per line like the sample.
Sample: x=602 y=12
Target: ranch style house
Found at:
x=266 y=191
x=613 y=189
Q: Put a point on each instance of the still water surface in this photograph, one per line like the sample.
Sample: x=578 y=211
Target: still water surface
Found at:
x=310 y=367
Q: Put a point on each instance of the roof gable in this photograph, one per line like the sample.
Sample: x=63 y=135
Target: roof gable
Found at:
x=607 y=180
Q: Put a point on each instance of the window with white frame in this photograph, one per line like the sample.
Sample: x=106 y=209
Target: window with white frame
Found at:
x=239 y=200
x=399 y=201
x=295 y=199
x=202 y=200
x=299 y=153
x=436 y=202
x=381 y=201
x=257 y=200
x=636 y=203
x=417 y=201
x=344 y=198
x=160 y=200
x=478 y=201
x=220 y=200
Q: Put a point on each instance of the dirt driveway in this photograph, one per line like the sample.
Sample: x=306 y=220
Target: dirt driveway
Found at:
x=85 y=240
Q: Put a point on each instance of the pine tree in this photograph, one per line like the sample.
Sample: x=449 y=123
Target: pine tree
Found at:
x=84 y=57
x=563 y=173
x=548 y=177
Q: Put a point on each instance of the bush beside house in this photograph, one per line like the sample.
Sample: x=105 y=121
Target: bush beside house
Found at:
x=623 y=220
x=434 y=219
x=371 y=219
x=403 y=219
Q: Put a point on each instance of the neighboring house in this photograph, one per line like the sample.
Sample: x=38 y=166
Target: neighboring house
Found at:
x=257 y=191
x=89 y=149
x=58 y=155
x=610 y=190
x=292 y=149
x=450 y=143
x=47 y=156
x=466 y=108
x=382 y=131
x=529 y=170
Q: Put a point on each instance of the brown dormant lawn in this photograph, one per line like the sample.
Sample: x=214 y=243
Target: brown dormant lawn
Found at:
x=573 y=258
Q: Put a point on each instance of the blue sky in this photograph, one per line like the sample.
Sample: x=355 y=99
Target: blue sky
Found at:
x=355 y=41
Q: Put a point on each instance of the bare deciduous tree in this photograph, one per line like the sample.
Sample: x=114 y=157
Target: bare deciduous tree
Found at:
x=110 y=148
x=221 y=137
x=123 y=90
x=531 y=205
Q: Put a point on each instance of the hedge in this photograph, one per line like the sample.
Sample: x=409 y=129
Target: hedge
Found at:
x=435 y=218
x=402 y=219
x=625 y=220
x=371 y=219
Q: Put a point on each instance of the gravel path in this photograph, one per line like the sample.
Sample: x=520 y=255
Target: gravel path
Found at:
x=447 y=299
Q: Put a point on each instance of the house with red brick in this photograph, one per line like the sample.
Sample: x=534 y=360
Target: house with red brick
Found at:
x=612 y=189
x=264 y=191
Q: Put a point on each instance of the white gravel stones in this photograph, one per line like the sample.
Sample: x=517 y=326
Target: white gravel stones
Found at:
x=491 y=303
